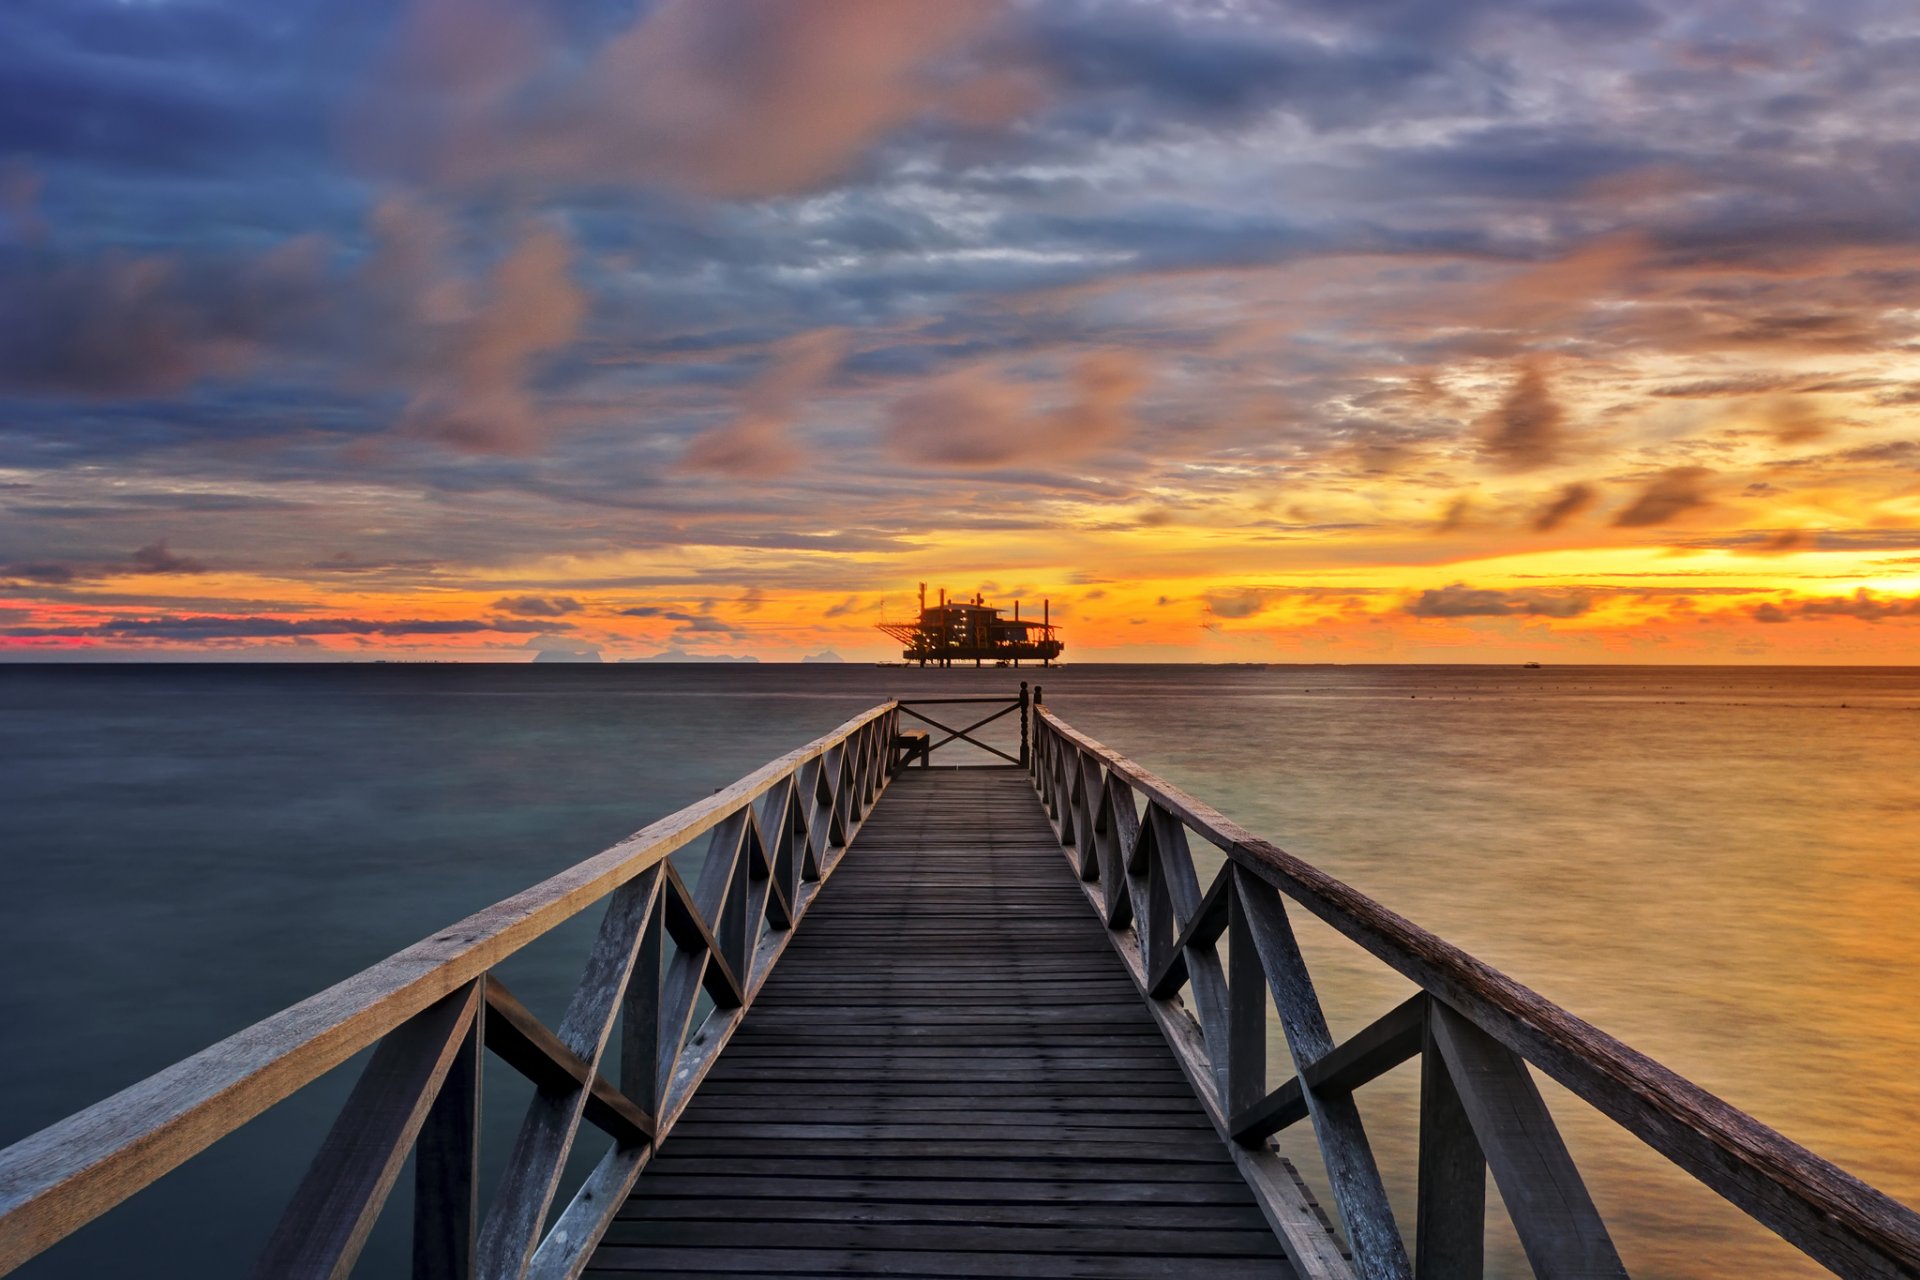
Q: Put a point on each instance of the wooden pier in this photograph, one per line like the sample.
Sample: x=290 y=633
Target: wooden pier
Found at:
x=985 y=1093
x=921 y=1021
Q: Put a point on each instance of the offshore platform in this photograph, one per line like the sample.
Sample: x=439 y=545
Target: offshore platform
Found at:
x=947 y=633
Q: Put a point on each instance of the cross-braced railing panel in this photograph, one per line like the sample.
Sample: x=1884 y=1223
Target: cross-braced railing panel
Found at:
x=428 y=1013
x=1475 y=1031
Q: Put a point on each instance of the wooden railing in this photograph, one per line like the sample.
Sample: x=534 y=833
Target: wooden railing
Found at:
x=975 y=703
x=772 y=839
x=1474 y=1029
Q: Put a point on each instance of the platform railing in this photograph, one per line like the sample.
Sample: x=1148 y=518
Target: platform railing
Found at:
x=428 y=1012
x=1474 y=1029
x=996 y=706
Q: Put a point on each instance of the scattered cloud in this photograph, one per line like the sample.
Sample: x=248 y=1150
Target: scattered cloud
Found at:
x=1462 y=601
x=195 y=628
x=756 y=442
x=750 y=98
x=157 y=557
x=1863 y=605
x=1666 y=498
x=980 y=419
x=1564 y=506
x=1525 y=432
x=538 y=606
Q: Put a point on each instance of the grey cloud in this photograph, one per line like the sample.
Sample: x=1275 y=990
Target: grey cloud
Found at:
x=1668 y=496
x=225 y=628
x=1568 y=503
x=1459 y=600
x=1525 y=431
x=1864 y=605
x=43 y=572
x=157 y=557
x=1816 y=540
x=538 y=606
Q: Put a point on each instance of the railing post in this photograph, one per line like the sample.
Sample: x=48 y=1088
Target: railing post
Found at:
x=1450 y=1232
x=1025 y=756
x=446 y=1168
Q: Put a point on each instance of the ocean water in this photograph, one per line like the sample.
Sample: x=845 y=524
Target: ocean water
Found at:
x=1719 y=865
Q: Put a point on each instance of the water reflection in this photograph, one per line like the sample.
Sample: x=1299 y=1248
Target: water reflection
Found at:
x=1718 y=866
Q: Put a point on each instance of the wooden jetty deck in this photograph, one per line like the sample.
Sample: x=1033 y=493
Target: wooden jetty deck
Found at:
x=937 y=1022
x=950 y=1074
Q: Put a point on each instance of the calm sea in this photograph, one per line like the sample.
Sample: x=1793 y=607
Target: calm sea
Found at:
x=1719 y=865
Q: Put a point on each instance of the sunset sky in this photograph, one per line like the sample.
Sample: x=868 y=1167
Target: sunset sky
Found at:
x=1246 y=330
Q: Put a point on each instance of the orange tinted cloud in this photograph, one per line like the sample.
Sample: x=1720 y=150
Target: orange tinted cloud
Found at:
x=978 y=419
x=746 y=98
x=756 y=443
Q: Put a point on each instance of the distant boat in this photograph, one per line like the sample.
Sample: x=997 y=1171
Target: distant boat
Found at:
x=1531 y=666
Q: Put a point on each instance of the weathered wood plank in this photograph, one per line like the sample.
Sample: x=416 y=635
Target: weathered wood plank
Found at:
x=1367 y=1055
x=1451 y=1239
x=1362 y=1197
x=522 y=1042
x=333 y=1209
x=446 y=1165
x=1554 y=1216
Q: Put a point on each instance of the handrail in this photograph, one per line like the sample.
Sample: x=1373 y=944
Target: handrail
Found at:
x=1007 y=704
x=1472 y=1028
x=774 y=837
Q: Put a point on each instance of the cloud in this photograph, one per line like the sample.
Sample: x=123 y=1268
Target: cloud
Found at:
x=1525 y=431
x=124 y=324
x=756 y=443
x=976 y=419
x=538 y=606
x=228 y=628
x=1795 y=420
x=843 y=608
x=1243 y=602
x=1454 y=518
x=1568 y=503
x=20 y=216
x=704 y=623
x=474 y=394
x=1458 y=600
x=1850 y=540
x=45 y=573
x=744 y=99
x=155 y=557
x=1671 y=494
x=1863 y=604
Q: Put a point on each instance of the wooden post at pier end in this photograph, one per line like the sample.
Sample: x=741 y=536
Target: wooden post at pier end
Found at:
x=1025 y=755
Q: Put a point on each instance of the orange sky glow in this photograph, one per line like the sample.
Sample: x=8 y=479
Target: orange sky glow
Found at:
x=713 y=331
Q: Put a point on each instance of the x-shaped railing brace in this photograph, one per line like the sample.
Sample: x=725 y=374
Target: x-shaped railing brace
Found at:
x=966 y=734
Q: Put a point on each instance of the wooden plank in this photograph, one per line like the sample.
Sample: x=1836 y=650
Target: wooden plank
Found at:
x=878 y=1262
x=1451 y=1233
x=1203 y=927
x=844 y=1202
x=446 y=1164
x=524 y=1043
x=1132 y=1241
x=569 y=1246
x=323 y=1229
x=1377 y=1247
x=1554 y=1216
x=1369 y=1054
x=690 y=933
x=1840 y=1221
